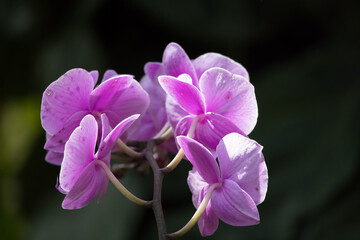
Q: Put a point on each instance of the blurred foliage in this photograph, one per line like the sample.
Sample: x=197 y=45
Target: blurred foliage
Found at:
x=302 y=57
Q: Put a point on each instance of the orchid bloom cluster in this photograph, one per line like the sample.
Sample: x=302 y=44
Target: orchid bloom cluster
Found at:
x=201 y=110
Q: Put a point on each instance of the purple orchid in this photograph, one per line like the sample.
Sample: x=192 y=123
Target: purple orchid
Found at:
x=240 y=175
x=222 y=103
x=81 y=176
x=67 y=100
x=175 y=62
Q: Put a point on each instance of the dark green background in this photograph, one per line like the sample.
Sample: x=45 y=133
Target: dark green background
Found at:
x=303 y=59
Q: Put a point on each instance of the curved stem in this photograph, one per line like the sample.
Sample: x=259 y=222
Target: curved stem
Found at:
x=156 y=203
x=130 y=152
x=197 y=214
x=165 y=136
x=163 y=130
x=121 y=187
x=179 y=156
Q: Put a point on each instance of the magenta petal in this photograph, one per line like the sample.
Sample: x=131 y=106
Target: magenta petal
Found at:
x=210 y=60
x=58 y=140
x=212 y=128
x=105 y=93
x=202 y=160
x=242 y=161
x=64 y=97
x=110 y=140
x=230 y=95
x=196 y=184
x=54 y=157
x=177 y=62
x=79 y=152
x=185 y=94
x=119 y=98
x=91 y=183
x=153 y=70
x=174 y=112
x=109 y=74
x=95 y=76
x=183 y=127
x=208 y=222
x=234 y=206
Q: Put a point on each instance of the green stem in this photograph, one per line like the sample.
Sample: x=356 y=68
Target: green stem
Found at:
x=197 y=214
x=121 y=187
x=179 y=156
x=130 y=152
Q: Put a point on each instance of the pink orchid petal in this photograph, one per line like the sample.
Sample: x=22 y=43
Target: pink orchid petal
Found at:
x=95 y=75
x=209 y=130
x=119 y=98
x=177 y=62
x=153 y=70
x=234 y=206
x=109 y=74
x=208 y=222
x=242 y=161
x=91 y=183
x=107 y=144
x=64 y=97
x=202 y=160
x=54 y=158
x=210 y=60
x=185 y=94
x=79 y=152
x=155 y=117
x=58 y=140
x=230 y=95
x=196 y=184
x=174 y=112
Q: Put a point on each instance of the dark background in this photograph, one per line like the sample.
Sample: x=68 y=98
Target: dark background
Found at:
x=302 y=57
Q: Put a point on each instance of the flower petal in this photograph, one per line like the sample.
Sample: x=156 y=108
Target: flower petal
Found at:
x=209 y=130
x=230 y=95
x=107 y=144
x=153 y=70
x=208 y=222
x=210 y=60
x=234 y=206
x=185 y=94
x=202 y=160
x=109 y=74
x=177 y=62
x=79 y=152
x=196 y=184
x=91 y=183
x=58 y=140
x=64 y=97
x=54 y=158
x=242 y=161
x=119 y=97
x=174 y=112
x=155 y=117
x=95 y=75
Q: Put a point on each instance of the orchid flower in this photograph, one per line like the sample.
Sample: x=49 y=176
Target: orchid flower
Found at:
x=222 y=103
x=238 y=180
x=67 y=100
x=82 y=177
x=175 y=62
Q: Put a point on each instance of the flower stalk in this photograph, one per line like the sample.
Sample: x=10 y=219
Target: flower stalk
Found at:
x=121 y=187
x=196 y=215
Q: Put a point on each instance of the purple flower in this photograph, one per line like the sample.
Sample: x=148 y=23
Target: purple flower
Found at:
x=67 y=100
x=241 y=176
x=81 y=176
x=174 y=63
x=222 y=103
